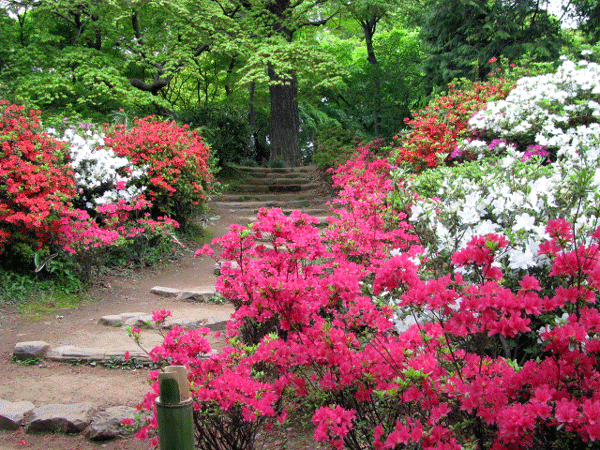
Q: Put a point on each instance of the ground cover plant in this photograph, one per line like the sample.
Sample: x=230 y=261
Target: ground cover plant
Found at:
x=483 y=336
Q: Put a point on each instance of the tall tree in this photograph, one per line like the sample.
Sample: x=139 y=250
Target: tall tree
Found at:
x=461 y=36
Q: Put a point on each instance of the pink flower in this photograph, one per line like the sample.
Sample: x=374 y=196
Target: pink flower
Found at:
x=493 y=60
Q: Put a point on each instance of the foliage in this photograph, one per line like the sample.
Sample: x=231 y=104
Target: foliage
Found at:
x=437 y=129
x=401 y=352
x=177 y=163
x=101 y=176
x=378 y=88
x=225 y=129
x=460 y=36
x=333 y=146
x=35 y=182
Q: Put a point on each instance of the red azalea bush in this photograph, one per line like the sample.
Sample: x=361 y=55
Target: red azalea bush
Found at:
x=35 y=181
x=175 y=158
x=437 y=129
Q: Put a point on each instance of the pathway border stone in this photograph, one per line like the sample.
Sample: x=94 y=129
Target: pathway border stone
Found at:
x=12 y=414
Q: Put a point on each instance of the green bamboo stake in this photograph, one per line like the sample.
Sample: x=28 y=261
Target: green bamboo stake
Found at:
x=175 y=415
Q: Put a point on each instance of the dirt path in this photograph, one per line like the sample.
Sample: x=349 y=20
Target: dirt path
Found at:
x=51 y=382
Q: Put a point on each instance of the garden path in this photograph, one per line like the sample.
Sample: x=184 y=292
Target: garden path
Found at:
x=49 y=382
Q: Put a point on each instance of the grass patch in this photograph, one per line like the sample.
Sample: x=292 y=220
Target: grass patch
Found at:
x=34 y=297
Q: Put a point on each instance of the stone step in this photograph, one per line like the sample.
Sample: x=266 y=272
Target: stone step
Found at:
x=304 y=195
x=261 y=181
x=268 y=188
x=256 y=205
x=277 y=170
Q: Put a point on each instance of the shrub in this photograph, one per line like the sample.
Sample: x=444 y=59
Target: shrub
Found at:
x=437 y=129
x=333 y=146
x=176 y=160
x=101 y=176
x=36 y=182
x=226 y=129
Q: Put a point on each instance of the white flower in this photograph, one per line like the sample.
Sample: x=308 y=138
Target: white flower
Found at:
x=524 y=222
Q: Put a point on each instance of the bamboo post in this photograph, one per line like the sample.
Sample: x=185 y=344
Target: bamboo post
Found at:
x=174 y=410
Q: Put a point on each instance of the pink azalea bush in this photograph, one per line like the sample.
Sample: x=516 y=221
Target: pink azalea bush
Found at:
x=386 y=353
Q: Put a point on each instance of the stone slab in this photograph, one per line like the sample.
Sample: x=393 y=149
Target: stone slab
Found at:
x=112 y=320
x=61 y=418
x=165 y=291
x=196 y=296
x=144 y=321
x=12 y=414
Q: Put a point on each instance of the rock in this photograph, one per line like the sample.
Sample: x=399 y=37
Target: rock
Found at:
x=75 y=354
x=107 y=424
x=62 y=418
x=13 y=414
x=217 y=322
x=111 y=320
x=129 y=315
x=187 y=323
x=30 y=349
x=195 y=296
x=164 y=291
x=144 y=321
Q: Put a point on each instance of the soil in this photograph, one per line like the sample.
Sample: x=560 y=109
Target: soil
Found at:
x=50 y=382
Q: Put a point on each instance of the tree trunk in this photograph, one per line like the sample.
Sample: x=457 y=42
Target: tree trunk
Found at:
x=285 y=122
x=369 y=26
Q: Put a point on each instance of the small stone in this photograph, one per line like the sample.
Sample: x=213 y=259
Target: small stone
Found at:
x=12 y=414
x=30 y=349
x=164 y=291
x=144 y=321
x=62 y=418
x=111 y=320
x=107 y=424
x=217 y=322
x=129 y=315
x=195 y=296
x=186 y=323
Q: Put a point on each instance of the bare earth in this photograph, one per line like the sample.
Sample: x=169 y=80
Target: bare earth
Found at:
x=51 y=382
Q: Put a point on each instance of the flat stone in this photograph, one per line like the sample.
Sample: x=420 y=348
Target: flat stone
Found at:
x=61 y=418
x=12 y=414
x=144 y=321
x=31 y=349
x=217 y=322
x=111 y=320
x=74 y=354
x=129 y=315
x=107 y=424
x=186 y=323
x=164 y=291
x=195 y=296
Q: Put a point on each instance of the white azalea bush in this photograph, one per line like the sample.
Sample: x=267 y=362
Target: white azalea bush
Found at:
x=513 y=189
x=102 y=177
